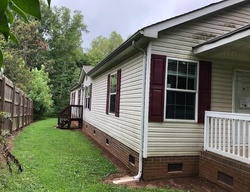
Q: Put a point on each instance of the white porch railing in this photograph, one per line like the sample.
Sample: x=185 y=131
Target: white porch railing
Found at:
x=228 y=134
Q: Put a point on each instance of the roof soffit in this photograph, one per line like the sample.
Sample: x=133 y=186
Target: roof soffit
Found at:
x=238 y=37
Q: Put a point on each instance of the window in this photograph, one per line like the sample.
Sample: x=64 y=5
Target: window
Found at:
x=88 y=97
x=181 y=90
x=73 y=98
x=174 y=89
x=113 y=83
x=113 y=93
x=79 y=96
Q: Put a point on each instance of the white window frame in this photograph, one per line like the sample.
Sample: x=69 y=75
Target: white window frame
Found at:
x=87 y=97
x=182 y=90
x=112 y=74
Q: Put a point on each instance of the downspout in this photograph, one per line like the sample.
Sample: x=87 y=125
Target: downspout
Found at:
x=138 y=176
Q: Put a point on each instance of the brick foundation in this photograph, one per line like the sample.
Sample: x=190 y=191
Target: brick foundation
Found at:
x=115 y=147
x=153 y=167
x=170 y=167
x=228 y=173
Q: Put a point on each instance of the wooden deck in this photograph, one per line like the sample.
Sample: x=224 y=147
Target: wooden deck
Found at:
x=70 y=117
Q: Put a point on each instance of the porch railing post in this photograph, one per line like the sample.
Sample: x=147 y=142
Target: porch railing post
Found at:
x=248 y=140
x=206 y=131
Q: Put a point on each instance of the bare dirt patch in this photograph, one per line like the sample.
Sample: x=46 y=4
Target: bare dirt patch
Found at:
x=10 y=143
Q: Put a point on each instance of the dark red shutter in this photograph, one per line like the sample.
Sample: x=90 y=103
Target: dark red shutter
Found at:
x=204 y=89
x=108 y=90
x=118 y=90
x=157 y=88
x=85 y=103
x=90 y=96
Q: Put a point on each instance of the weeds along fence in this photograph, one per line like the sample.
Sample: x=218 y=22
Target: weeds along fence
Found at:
x=17 y=104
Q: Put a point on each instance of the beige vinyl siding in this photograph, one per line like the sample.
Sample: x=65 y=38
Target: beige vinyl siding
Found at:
x=222 y=84
x=176 y=138
x=125 y=128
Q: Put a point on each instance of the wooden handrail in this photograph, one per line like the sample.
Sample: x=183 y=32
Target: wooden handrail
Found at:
x=70 y=113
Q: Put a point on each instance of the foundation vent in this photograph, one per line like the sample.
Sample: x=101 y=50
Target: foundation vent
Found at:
x=107 y=141
x=132 y=159
x=226 y=179
x=175 y=167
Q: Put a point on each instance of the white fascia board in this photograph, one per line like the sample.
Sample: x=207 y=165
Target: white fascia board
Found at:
x=221 y=42
x=153 y=30
x=82 y=75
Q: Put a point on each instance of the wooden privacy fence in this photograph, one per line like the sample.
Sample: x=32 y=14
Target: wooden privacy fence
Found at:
x=14 y=101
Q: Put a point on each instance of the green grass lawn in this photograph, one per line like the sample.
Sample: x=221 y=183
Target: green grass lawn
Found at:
x=58 y=160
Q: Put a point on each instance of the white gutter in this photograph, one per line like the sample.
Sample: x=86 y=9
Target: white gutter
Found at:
x=142 y=126
x=144 y=72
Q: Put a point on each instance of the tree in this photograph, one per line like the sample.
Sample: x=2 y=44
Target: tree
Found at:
x=40 y=93
x=16 y=70
x=30 y=53
x=102 y=46
x=32 y=45
x=64 y=37
x=21 y=7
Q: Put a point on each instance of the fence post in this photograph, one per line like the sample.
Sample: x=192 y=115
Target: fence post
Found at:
x=2 y=103
x=23 y=108
x=18 y=110
x=31 y=110
x=26 y=111
x=12 y=107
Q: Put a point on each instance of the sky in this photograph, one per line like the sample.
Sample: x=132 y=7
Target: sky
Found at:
x=126 y=16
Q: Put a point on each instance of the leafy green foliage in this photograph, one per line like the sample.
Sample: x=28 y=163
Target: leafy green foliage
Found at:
x=60 y=160
x=102 y=46
x=16 y=70
x=40 y=93
x=64 y=32
x=20 y=7
x=56 y=43
x=31 y=7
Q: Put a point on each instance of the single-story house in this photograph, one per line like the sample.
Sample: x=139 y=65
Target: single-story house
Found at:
x=174 y=99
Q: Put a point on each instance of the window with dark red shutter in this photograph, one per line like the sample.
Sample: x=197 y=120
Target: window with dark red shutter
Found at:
x=181 y=90
x=90 y=95
x=204 y=89
x=107 y=99
x=113 y=93
x=88 y=92
x=157 y=88
x=118 y=91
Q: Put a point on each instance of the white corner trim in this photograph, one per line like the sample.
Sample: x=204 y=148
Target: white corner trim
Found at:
x=146 y=109
x=153 y=30
x=221 y=42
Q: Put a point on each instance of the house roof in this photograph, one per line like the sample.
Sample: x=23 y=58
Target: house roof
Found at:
x=85 y=70
x=143 y=36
